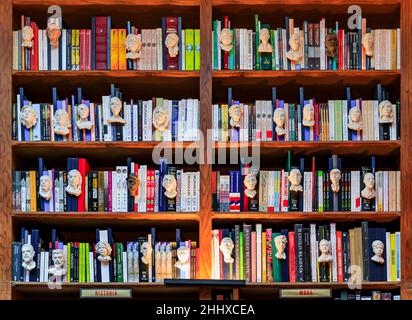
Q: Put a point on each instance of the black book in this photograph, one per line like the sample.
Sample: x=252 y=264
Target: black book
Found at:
x=346 y=256
x=294 y=196
x=247 y=255
x=365 y=250
x=171 y=202
x=144 y=263
x=306 y=255
x=285 y=262
x=377 y=266
x=324 y=268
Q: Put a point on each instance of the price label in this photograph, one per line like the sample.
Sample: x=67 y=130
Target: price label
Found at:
x=108 y=293
x=305 y=293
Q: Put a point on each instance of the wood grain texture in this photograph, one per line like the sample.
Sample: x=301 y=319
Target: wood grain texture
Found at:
x=108 y=2
x=5 y=148
x=91 y=74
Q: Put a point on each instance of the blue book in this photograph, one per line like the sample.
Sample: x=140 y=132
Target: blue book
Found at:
x=178 y=236
x=35 y=244
x=16 y=253
x=129 y=31
x=162 y=173
x=179 y=33
x=153 y=233
x=25 y=130
x=163 y=42
x=175 y=118
x=40 y=170
x=377 y=269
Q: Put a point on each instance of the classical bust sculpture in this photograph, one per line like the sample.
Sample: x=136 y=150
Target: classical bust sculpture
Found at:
x=74 y=186
x=27 y=36
x=61 y=122
x=104 y=250
x=133 y=183
x=160 y=118
x=368 y=43
x=226 y=39
x=57 y=269
x=331 y=43
x=369 y=191
x=27 y=253
x=324 y=248
x=171 y=42
x=250 y=182
x=133 y=45
x=355 y=119
x=28 y=116
x=54 y=32
x=377 y=247
x=308 y=115
x=116 y=107
x=264 y=36
x=335 y=177
x=226 y=246
x=45 y=188
x=235 y=113
x=83 y=113
x=295 y=178
x=170 y=184
x=146 y=251
x=295 y=52
x=183 y=256
x=280 y=244
x=279 y=118
x=385 y=112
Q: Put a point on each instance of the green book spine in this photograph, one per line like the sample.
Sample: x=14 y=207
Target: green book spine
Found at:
x=197 y=49
x=272 y=41
x=257 y=42
x=266 y=57
x=277 y=266
x=68 y=262
x=190 y=52
x=87 y=262
x=119 y=258
x=232 y=53
x=215 y=48
x=320 y=204
x=292 y=116
x=242 y=271
x=81 y=257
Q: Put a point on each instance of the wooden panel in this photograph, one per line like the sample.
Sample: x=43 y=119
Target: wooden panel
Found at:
x=311 y=2
x=92 y=74
x=117 y=3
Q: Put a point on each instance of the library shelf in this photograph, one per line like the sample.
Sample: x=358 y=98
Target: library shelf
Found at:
x=302 y=2
x=108 y=2
x=383 y=285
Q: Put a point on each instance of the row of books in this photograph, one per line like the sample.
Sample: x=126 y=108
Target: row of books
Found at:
x=93 y=121
x=314 y=46
x=372 y=295
x=307 y=188
x=144 y=259
x=306 y=254
x=105 y=48
x=308 y=120
x=128 y=188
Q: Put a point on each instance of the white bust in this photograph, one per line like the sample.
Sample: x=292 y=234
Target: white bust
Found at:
x=104 y=250
x=324 y=248
x=279 y=118
x=58 y=259
x=235 y=113
x=133 y=46
x=116 y=107
x=83 y=113
x=74 y=186
x=28 y=117
x=355 y=119
x=160 y=118
x=61 y=122
x=280 y=244
x=45 y=188
x=225 y=39
x=170 y=184
x=369 y=191
x=226 y=247
x=295 y=178
x=308 y=115
x=146 y=251
x=27 y=36
x=27 y=253
x=335 y=177
x=295 y=52
x=377 y=247
x=250 y=182
x=264 y=36
x=183 y=256
x=385 y=112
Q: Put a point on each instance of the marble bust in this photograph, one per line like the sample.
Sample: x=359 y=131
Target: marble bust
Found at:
x=133 y=184
x=250 y=182
x=171 y=42
x=331 y=43
x=146 y=252
x=170 y=185
x=295 y=52
x=295 y=178
x=61 y=122
x=235 y=113
x=377 y=247
x=74 y=186
x=160 y=118
x=104 y=250
x=355 y=119
x=54 y=32
x=45 y=188
x=264 y=36
x=83 y=113
x=116 y=108
x=280 y=244
x=57 y=269
x=133 y=45
x=324 y=248
x=28 y=116
x=226 y=39
x=27 y=36
x=368 y=43
x=27 y=253
x=369 y=191
x=183 y=258
x=308 y=115
x=279 y=118
x=226 y=247
x=335 y=176
x=385 y=112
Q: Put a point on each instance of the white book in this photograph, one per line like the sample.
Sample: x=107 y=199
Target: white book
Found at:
x=104 y=267
x=135 y=130
x=246 y=131
x=142 y=189
x=345 y=120
x=167 y=134
x=183 y=51
x=398 y=255
x=258 y=252
x=398 y=48
x=313 y=253
x=125 y=126
x=114 y=191
x=45 y=51
x=322 y=45
x=250 y=50
x=197 y=190
x=276 y=48
x=159 y=50
x=37 y=128
x=93 y=120
x=181 y=120
x=355 y=191
x=285 y=62
x=64 y=48
x=183 y=192
x=19 y=136
x=393 y=127
x=331 y=114
x=42 y=279
x=379 y=191
x=65 y=263
x=385 y=191
x=129 y=257
x=334 y=256
x=46 y=265
x=54 y=56
x=91 y=269
x=145 y=122
x=271 y=191
x=40 y=48
x=106 y=114
x=215 y=120
x=189 y=120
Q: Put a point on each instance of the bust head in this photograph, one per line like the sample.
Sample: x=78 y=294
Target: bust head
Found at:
x=146 y=251
x=61 y=122
x=54 y=32
x=280 y=244
x=226 y=39
x=115 y=106
x=355 y=118
x=27 y=35
x=171 y=43
x=104 y=250
x=331 y=43
x=28 y=116
x=308 y=115
x=250 y=181
x=160 y=118
x=295 y=177
x=170 y=184
x=235 y=113
x=368 y=44
x=45 y=189
x=83 y=111
x=264 y=35
x=377 y=247
x=27 y=252
x=133 y=43
x=226 y=246
x=279 y=117
x=58 y=258
x=369 y=180
x=183 y=254
x=294 y=41
x=335 y=176
x=385 y=112
x=133 y=183
x=74 y=185
x=324 y=246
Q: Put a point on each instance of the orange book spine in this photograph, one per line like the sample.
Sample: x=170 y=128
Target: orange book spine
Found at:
x=114 y=49
x=122 y=50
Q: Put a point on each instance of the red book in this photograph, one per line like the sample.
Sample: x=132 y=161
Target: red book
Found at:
x=253 y=260
x=316 y=122
x=84 y=168
x=34 y=52
x=136 y=172
x=292 y=257
x=220 y=256
x=82 y=48
x=109 y=191
x=339 y=255
x=172 y=63
x=313 y=181
x=151 y=190
x=245 y=199
x=100 y=48
x=225 y=53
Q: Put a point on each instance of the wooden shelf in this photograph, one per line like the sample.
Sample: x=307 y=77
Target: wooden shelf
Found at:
x=384 y=285
x=107 y=74
x=108 y=2
x=305 y=216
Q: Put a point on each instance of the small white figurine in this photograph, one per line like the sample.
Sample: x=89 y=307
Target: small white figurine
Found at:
x=280 y=244
x=295 y=52
x=61 y=122
x=116 y=107
x=54 y=32
x=279 y=118
x=83 y=114
x=104 y=250
x=226 y=246
x=355 y=119
x=368 y=43
x=335 y=177
x=377 y=247
x=74 y=186
x=28 y=117
x=27 y=36
x=27 y=253
x=58 y=259
x=133 y=45
x=226 y=39
x=146 y=251
x=308 y=115
x=235 y=113
x=264 y=36
x=170 y=184
x=45 y=188
x=324 y=248
x=171 y=42
x=369 y=191
x=295 y=178
x=183 y=256
x=160 y=118
x=250 y=182
x=385 y=112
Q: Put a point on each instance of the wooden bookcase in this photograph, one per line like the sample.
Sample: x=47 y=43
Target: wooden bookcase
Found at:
x=207 y=85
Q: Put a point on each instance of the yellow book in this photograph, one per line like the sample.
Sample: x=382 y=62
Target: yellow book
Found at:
x=225 y=122
x=264 y=257
x=33 y=198
x=393 y=257
x=122 y=50
x=78 y=49
x=114 y=49
x=73 y=50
